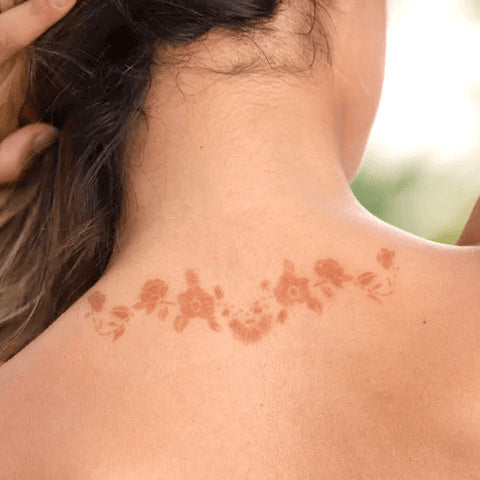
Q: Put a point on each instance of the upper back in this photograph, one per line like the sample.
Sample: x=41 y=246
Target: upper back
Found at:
x=349 y=373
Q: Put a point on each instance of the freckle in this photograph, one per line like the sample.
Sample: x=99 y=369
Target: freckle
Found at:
x=424 y=321
x=226 y=312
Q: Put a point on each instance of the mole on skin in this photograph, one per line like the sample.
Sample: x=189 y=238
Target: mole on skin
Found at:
x=271 y=307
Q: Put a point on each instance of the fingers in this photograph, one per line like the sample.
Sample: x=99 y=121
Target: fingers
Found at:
x=471 y=233
x=17 y=150
x=21 y=25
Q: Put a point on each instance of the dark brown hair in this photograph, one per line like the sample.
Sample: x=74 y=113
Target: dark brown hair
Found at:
x=88 y=76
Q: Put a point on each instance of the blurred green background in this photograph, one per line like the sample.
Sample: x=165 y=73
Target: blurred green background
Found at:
x=415 y=196
x=421 y=171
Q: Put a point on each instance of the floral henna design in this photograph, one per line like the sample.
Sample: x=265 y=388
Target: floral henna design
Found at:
x=366 y=281
x=250 y=325
x=195 y=302
x=330 y=271
x=116 y=326
x=247 y=326
x=152 y=292
x=385 y=258
x=292 y=289
x=96 y=301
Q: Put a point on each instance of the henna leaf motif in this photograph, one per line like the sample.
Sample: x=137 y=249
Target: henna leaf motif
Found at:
x=163 y=313
x=373 y=297
x=315 y=305
x=282 y=316
x=288 y=266
x=327 y=291
x=123 y=313
x=219 y=292
x=366 y=278
x=119 y=333
x=180 y=323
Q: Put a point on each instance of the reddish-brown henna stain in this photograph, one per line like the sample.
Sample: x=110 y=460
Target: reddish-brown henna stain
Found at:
x=282 y=316
x=292 y=289
x=152 y=292
x=252 y=329
x=253 y=324
x=385 y=257
x=364 y=281
x=329 y=270
x=195 y=302
x=116 y=326
x=96 y=301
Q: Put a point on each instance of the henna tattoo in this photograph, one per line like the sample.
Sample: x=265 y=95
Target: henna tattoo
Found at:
x=248 y=325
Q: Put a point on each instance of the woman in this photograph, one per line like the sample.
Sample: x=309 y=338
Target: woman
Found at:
x=225 y=307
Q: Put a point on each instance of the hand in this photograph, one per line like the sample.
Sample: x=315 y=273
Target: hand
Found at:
x=471 y=233
x=19 y=26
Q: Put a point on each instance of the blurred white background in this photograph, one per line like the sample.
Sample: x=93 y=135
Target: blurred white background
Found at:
x=422 y=167
x=432 y=82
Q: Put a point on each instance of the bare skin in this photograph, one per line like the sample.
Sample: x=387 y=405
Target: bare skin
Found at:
x=256 y=322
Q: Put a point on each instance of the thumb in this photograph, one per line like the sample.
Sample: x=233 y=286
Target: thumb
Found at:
x=18 y=149
x=471 y=233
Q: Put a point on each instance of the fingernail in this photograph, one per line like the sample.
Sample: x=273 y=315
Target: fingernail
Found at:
x=60 y=3
x=44 y=140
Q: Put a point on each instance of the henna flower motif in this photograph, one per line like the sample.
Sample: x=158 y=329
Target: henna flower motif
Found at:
x=385 y=258
x=96 y=301
x=331 y=270
x=195 y=302
x=152 y=292
x=253 y=327
x=292 y=289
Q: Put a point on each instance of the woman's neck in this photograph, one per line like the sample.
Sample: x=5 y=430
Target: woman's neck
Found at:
x=241 y=164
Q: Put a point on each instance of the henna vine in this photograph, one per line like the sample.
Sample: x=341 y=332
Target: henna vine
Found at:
x=253 y=323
